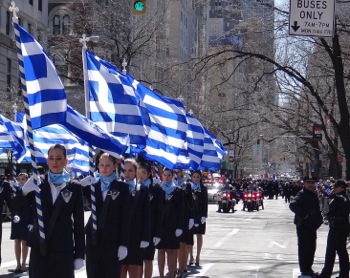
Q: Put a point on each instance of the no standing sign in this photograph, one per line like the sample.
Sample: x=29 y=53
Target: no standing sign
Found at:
x=312 y=18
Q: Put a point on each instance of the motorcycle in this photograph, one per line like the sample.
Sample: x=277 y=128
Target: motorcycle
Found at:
x=260 y=199
x=251 y=200
x=227 y=201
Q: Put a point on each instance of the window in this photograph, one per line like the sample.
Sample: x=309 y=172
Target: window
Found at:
x=31 y=2
x=8 y=75
x=56 y=25
x=61 y=24
x=40 y=5
x=8 y=22
x=66 y=25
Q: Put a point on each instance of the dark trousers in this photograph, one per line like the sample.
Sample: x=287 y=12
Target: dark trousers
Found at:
x=306 y=248
x=336 y=243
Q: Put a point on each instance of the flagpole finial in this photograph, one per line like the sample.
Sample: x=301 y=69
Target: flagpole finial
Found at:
x=86 y=39
x=124 y=64
x=14 y=10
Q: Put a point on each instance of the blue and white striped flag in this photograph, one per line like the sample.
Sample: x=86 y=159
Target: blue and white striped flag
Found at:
x=45 y=137
x=113 y=104
x=167 y=134
x=12 y=137
x=94 y=135
x=45 y=94
x=212 y=153
x=191 y=157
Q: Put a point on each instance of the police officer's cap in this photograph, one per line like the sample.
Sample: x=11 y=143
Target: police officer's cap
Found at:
x=340 y=183
x=307 y=178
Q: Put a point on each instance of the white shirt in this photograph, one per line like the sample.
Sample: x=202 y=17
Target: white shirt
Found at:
x=55 y=190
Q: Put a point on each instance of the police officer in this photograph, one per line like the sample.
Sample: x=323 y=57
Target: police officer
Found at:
x=338 y=216
x=307 y=219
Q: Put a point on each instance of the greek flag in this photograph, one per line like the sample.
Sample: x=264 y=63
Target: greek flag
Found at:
x=45 y=137
x=43 y=90
x=191 y=157
x=213 y=152
x=94 y=135
x=114 y=106
x=12 y=137
x=168 y=126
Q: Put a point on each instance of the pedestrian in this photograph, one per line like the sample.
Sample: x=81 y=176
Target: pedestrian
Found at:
x=107 y=245
x=200 y=210
x=156 y=197
x=338 y=217
x=307 y=219
x=172 y=224
x=139 y=215
x=63 y=217
x=21 y=225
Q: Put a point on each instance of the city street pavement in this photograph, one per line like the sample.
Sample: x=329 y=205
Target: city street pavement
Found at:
x=259 y=244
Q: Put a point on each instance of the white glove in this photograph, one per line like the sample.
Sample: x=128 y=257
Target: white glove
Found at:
x=190 y=223
x=178 y=232
x=31 y=185
x=88 y=181
x=203 y=219
x=122 y=252
x=144 y=244
x=156 y=240
x=30 y=227
x=78 y=263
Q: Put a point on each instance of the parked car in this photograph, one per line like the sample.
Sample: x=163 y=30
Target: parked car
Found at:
x=213 y=191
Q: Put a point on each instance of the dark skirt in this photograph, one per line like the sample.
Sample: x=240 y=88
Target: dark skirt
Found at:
x=200 y=230
x=187 y=236
x=168 y=239
x=20 y=230
x=148 y=253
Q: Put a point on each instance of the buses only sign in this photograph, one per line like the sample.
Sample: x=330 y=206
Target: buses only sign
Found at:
x=311 y=18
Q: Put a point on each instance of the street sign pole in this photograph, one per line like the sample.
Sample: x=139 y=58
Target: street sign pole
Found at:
x=312 y=18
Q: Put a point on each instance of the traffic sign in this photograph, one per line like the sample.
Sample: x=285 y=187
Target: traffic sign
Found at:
x=311 y=18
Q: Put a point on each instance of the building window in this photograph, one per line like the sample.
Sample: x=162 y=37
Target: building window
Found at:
x=56 y=25
x=61 y=25
x=66 y=25
x=8 y=75
x=8 y=22
x=31 y=2
x=30 y=28
x=40 y=5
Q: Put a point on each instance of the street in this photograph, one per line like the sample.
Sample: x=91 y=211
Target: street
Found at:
x=243 y=244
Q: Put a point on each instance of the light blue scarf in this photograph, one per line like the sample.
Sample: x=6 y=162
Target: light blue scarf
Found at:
x=168 y=187
x=146 y=182
x=195 y=186
x=132 y=185
x=179 y=182
x=59 y=178
x=106 y=181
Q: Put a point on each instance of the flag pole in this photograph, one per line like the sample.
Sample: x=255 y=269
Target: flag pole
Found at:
x=84 y=40
x=39 y=211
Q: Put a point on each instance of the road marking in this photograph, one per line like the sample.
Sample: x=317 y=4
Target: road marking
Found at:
x=272 y=243
x=221 y=242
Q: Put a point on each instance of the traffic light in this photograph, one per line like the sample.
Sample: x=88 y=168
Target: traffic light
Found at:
x=258 y=142
x=138 y=6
